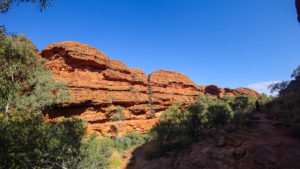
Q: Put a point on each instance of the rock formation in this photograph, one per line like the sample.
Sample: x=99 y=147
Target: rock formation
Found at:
x=168 y=87
x=246 y=91
x=99 y=85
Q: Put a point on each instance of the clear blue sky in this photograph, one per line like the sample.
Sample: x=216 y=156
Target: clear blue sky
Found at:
x=230 y=43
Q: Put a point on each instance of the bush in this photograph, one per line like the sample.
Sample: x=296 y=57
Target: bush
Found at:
x=286 y=107
x=264 y=99
x=178 y=127
x=196 y=119
x=242 y=102
x=29 y=142
x=96 y=153
x=135 y=138
x=219 y=114
x=123 y=143
x=105 y=153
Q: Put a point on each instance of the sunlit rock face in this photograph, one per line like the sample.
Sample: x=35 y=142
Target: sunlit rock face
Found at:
x=99 y=85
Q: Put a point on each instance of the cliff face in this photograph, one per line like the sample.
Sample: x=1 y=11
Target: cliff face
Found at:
x=168 y=87
x=99 y=85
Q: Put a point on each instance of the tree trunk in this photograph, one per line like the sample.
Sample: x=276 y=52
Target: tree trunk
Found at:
x=6 y=107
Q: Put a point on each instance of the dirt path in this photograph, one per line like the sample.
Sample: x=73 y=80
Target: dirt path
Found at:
x=272 y=147
x=260 y=146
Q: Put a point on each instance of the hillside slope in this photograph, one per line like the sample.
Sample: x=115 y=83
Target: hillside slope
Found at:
x=260 y=146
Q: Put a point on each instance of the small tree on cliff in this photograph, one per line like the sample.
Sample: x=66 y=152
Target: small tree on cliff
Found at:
x=118 y=116
x=26 y=85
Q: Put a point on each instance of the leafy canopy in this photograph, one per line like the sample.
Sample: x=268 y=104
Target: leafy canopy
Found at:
x=5 y=5
x=25 y=83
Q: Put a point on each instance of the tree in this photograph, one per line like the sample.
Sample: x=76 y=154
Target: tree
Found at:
x=26 y=85
x=29 y=142
x=118 y=116
x=296 y=72
x=5 y=5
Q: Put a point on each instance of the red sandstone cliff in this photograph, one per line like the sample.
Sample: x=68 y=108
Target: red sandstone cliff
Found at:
x=99 y=84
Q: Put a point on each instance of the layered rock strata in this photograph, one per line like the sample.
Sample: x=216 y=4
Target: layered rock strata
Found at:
x=99 y=85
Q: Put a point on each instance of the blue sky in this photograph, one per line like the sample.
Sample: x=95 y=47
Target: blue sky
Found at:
x=230 y=43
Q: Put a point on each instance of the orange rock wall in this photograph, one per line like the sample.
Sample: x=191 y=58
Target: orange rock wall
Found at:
x=99 y=85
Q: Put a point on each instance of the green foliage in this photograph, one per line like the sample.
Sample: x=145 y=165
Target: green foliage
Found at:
x=242 y=107
x=264 y=99
x=104 y=153
x=278 y=86
x=136 y=138
x=26 y=85
x=123 y=143
x=196 y=119
x=219 y=114
x=242 y=103
x=6 y=4
x=296 y=72
x=286 y=107
x=29 y=142
x=119 y=115
x=96 y=153
x=178 y=127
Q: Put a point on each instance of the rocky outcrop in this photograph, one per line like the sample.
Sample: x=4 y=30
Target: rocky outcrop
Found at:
x=214 y=90
x=230 y=92
x=99 y=85
x=246 y=91
x=219 y=92
x=168 y=87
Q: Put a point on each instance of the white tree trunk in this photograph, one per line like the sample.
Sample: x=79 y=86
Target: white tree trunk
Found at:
x=7 y=107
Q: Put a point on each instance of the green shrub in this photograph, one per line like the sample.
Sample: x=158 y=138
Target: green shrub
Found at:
x=286 y=107
x=119 y=115
x=29 y=142
x=178 y=127
x=242 y=102
x=196 y=119
x=264 y=99
x=96 y=153
x=123 y=143
x=219 y=114
x=135 y=138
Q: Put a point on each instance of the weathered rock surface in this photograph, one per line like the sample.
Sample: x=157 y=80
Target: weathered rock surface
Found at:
x=168 y=87
x=99 y=85
x=214 y=90
x=246 y=91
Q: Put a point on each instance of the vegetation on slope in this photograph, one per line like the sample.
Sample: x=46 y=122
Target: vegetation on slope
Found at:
x=179 y=127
